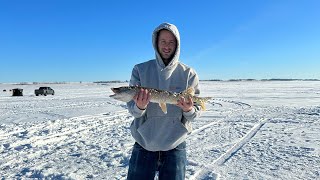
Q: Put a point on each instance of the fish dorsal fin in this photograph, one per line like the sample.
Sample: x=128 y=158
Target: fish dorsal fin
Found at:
x=163 y=107
x=190 y=91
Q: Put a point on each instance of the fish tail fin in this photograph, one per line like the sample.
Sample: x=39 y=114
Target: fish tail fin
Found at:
x=203 y=106
x=203 y=101
x=190 y=91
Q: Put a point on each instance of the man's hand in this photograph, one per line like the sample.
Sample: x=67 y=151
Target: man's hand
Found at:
x=185 y=104
x=142 y=99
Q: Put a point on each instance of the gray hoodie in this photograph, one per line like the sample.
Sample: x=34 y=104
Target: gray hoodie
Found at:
x=151 y=128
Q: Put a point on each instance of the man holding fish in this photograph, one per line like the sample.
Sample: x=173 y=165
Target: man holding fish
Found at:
x=163 y=98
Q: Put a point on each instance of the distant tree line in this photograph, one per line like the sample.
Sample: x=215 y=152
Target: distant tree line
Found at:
x=114 y=81
x=118 y=81
x=273 y=79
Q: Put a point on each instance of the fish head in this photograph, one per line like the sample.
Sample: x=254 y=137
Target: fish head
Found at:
x=125 y=93
x=117 y=90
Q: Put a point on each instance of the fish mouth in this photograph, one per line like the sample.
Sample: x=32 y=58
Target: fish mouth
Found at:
x=115 y=90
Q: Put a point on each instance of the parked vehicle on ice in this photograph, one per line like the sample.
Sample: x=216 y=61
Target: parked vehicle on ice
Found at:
x=44 y=91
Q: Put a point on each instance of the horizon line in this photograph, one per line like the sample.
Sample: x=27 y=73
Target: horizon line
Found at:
x=119 y=81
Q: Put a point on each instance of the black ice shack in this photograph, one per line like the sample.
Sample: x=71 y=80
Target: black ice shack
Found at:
x=17 y=92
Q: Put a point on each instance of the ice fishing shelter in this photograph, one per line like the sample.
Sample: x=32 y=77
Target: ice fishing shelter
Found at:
x=17 y=92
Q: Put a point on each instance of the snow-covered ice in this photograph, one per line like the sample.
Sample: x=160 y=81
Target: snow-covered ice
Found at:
x=251 y=130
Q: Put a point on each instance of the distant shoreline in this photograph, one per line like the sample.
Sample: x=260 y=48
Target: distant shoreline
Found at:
x=273 y=79
x=118 y=81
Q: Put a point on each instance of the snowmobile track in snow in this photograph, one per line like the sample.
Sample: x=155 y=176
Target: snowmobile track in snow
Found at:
x=58 y=132
x=242 y=104
x=209 y=169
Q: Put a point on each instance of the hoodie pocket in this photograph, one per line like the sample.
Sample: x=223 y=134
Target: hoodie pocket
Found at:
x=162 y=134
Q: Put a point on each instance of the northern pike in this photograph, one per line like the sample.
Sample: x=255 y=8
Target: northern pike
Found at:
x=162 y=97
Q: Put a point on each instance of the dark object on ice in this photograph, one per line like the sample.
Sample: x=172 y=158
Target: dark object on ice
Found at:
x=4 y=90
x=44 y=91
x=17 y=92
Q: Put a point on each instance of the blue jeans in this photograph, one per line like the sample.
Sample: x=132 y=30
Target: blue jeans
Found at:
x=170 y=164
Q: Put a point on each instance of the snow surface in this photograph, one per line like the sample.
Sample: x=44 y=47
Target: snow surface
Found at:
x=251 y=130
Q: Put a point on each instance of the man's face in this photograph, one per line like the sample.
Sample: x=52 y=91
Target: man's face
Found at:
x=167 y=45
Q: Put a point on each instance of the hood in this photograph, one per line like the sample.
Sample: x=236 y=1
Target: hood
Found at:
x=172 y=28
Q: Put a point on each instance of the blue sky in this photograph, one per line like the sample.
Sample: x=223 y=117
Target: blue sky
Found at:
x=77 y=40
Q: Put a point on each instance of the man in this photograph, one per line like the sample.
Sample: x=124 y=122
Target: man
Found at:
x=160 y=138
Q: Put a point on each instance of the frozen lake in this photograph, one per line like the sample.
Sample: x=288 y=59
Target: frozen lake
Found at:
x=251 y=130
